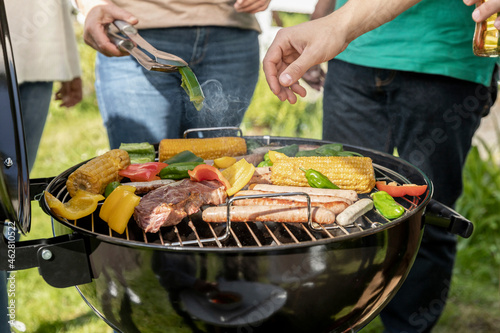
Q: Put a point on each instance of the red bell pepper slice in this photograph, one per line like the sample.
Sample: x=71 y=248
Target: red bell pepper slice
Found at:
x=142 y=172
x=395 y=190
x=207 y=172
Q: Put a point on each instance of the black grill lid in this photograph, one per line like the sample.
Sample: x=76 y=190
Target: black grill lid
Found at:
x=14 y=173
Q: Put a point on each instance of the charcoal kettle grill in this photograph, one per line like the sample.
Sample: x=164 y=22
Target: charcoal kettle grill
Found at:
x=291 y=277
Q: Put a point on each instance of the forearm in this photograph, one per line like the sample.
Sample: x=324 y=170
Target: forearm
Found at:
x=361 y=16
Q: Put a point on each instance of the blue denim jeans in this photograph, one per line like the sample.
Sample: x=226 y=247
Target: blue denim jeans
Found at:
x=430 y=120
x=138 y=105
x=35 y=100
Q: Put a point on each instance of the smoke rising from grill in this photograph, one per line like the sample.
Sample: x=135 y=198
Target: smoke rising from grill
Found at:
x=220 y=109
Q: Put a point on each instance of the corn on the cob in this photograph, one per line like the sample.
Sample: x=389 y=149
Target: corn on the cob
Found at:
x=207 y=148
x=347 y=172
x=94 y=175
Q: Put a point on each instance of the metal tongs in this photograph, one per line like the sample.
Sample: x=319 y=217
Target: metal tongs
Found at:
x=130 y=41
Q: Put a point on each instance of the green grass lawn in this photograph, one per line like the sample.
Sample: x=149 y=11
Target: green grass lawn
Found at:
x=74 y=135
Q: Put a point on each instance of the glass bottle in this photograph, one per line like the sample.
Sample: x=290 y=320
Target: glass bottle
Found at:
x=486 y=42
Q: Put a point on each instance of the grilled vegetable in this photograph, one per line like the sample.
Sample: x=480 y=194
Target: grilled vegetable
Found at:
x=192 y=87
x=178 y=170
x=238 y=175
x=184 y=156
x=224 y=162
x=207 y=148
x=118 y=208
x=348 y=173
x=274 y=155
x=386 y=205
x=396 y=190
x=110 y=188
x=207 y=172
x=83 y=203
x=265 y=163
x=94 y=175
x=142 y=172
x=139 y=152
x=290 y=151
x=318 y=180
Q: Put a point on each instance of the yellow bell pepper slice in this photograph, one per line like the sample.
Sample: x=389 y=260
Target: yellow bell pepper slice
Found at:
x=83 y=203
x=119 y=207
x=238 y=175
x=274 y=155
x=224 y=162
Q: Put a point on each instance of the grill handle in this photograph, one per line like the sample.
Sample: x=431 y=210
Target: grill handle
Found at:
x=443 y=216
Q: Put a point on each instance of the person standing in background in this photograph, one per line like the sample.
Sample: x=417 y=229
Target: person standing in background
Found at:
x=219 y=41
x=45 y=52
x=412 y=85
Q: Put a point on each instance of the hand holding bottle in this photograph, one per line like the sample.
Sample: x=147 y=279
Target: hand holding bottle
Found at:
x=484 y=10
x=486 y=42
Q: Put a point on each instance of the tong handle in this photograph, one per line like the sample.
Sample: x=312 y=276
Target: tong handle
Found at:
x=125 y=28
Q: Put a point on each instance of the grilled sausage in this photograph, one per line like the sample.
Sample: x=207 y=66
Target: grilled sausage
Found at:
x=278 y=213
x=351 y=213
x=314 y=198
x=348 y=194
x=335 y=204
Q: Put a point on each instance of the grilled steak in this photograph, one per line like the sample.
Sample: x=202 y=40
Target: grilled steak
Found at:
x=169 y=204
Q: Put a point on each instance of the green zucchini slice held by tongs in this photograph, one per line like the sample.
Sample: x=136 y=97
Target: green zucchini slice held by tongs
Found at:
x=127 y=39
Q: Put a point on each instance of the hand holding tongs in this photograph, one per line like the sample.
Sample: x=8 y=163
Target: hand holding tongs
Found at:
x=132 y=43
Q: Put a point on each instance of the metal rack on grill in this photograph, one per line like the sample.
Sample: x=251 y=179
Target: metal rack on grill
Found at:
x=193 y=231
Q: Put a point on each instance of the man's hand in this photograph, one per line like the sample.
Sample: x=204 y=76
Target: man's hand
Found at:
x=295 y=50
x=99 y=14
x=70 y=92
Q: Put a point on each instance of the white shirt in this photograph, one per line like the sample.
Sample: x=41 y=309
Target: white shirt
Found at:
x=43 y=40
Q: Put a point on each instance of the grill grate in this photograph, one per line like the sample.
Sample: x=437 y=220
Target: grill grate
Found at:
x=194 y=232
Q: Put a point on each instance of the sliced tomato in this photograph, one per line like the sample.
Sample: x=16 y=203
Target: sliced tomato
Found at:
x=142 y=172
x=396 y=190
x=207 y=172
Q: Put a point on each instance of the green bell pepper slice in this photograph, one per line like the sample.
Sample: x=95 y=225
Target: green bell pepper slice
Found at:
x=139 y=152
x=192 y=87
x=386 y=205
x=183 y=156
x=318 y=180
x=178 y=171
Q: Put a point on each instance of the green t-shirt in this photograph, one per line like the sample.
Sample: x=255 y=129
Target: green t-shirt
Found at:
x=433 y=37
